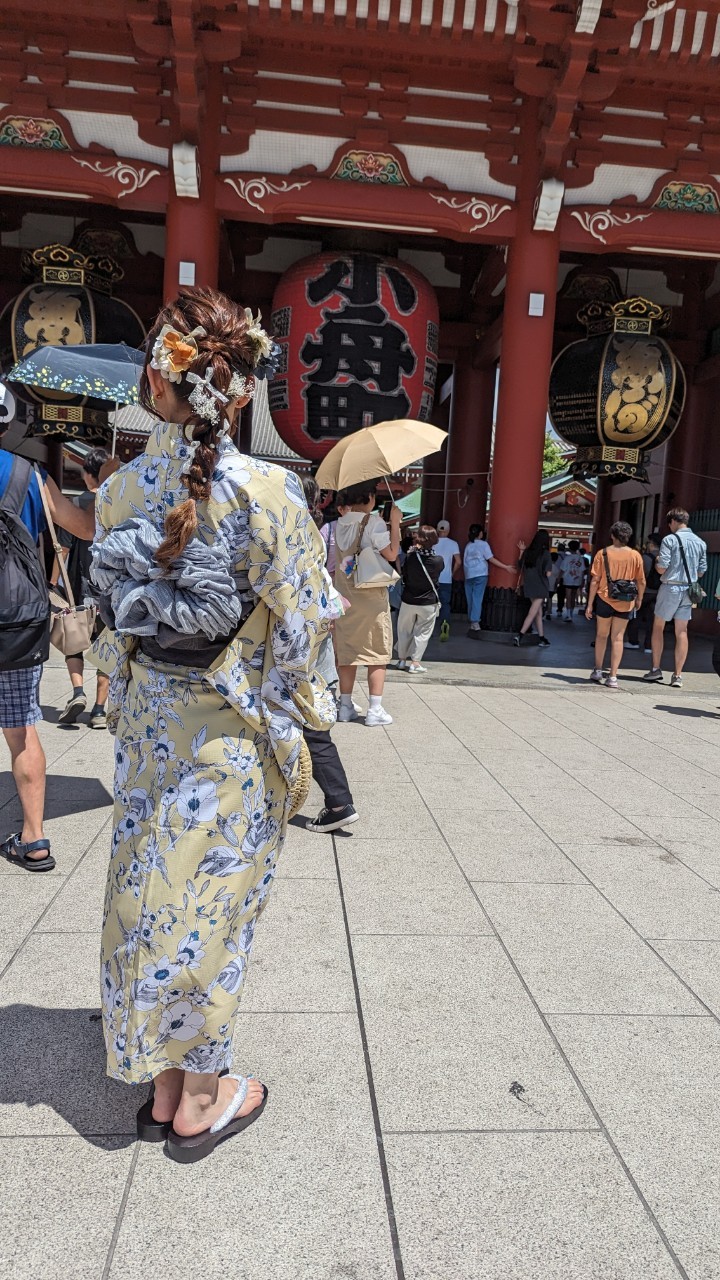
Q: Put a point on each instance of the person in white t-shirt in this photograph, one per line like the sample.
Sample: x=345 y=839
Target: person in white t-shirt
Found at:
x=449 y=549
x=476 y=559
x=574 y=573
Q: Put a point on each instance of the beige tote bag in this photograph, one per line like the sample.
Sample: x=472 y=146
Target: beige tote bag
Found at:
x=71 y=625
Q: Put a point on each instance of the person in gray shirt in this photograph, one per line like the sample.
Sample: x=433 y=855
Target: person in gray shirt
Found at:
x=673 y=603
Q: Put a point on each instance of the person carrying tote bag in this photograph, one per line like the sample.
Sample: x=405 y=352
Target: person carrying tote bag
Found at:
x=363 y=637
x=71 y=625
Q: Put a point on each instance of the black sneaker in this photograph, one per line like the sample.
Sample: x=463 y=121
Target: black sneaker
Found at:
x=543 y=643
x=98 y=718
x=333 y=819
x=73 y=708
x=517 y=641
x=654 y=676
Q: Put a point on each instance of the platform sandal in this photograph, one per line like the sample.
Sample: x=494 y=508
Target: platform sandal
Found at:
x=148 y=1128
x=188 y=1150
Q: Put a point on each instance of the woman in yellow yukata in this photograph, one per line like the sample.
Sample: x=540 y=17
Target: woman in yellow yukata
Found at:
x=207 y=568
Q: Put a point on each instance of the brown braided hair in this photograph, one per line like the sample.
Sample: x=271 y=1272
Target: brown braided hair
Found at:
x=226 y=350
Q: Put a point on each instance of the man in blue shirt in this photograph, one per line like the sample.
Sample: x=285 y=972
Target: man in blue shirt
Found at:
x=682 y=560
x=19 y=706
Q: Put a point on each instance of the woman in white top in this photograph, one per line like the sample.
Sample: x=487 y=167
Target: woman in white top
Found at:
x=363 y=637
x=477 y=556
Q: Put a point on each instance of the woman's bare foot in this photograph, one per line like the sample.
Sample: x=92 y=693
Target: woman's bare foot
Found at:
x=168 y=1092
x=197 y=1113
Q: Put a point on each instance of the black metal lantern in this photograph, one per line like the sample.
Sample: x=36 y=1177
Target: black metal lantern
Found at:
x=68 y=304
x=620 y=391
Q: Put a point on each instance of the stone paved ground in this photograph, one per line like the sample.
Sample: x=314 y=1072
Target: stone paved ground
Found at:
x=488 y=1018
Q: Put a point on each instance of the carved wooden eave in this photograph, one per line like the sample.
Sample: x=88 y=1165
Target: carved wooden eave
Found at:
x=272 y=198
x=87 y=175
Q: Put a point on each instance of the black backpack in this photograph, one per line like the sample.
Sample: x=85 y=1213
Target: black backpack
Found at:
x=24 y=602
x=653 y=577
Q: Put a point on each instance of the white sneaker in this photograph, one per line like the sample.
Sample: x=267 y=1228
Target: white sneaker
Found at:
x=377 y=716
x=346 y=714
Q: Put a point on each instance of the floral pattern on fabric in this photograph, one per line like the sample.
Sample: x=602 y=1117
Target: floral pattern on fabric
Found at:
x=203 y=762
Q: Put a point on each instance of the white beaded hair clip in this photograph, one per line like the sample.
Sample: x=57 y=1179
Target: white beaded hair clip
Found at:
x=241 y=385
x=205 y=398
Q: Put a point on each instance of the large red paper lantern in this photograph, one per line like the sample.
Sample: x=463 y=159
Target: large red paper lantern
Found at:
x=359 y=341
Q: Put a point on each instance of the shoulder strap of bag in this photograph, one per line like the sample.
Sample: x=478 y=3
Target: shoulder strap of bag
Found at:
x=427 y=575
x=16 y=489
x=685 y=563
x=361 y=531
x=608 y=575
x=53 y=538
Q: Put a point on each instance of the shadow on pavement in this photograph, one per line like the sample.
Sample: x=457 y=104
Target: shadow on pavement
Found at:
x=688 y=711
x=55 y=1058
x=65 y=795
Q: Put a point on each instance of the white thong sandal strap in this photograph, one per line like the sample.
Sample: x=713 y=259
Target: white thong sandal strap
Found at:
x=231 y=1111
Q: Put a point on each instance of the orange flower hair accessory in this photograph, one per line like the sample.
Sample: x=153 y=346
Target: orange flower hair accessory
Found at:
x=173 y=352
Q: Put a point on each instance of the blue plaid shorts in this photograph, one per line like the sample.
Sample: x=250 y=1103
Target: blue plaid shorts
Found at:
x=19 y=704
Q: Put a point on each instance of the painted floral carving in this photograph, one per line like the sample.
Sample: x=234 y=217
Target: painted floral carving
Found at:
x=27 y=131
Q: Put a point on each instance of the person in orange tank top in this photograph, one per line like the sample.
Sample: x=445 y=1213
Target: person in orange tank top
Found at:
x=617 y=586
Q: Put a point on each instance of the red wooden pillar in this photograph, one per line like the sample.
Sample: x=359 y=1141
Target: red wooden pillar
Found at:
x=468 y=459
x=603 y=513
x=433 y=482
x=525 y=363
x=192 y=237
x=687 y=449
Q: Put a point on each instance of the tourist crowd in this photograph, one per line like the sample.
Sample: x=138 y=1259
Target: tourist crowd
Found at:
x=227 y=615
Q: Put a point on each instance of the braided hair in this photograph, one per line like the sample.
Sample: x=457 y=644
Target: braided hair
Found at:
x=225 y=349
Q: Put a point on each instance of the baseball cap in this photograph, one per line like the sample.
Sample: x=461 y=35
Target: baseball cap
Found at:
x=443 y=526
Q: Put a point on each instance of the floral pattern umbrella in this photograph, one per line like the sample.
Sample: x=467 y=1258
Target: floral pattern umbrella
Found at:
x=101 y=370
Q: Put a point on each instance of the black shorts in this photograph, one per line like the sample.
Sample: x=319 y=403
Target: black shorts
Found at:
x=605 y=610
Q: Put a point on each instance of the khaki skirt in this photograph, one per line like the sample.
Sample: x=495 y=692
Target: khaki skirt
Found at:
x=363 y=638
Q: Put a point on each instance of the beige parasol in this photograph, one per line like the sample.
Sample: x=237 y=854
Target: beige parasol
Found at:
x=378 y=451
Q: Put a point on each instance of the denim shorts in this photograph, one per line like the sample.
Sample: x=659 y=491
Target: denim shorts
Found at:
x=673 y=602
x=19 y=704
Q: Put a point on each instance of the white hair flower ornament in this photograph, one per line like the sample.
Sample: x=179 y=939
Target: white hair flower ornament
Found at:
x=174 y=352
x=265 y=352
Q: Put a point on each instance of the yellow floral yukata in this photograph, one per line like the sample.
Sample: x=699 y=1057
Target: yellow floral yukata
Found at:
x=203 y=758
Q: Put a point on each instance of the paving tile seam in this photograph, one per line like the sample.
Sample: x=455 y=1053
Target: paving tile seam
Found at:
x=712 y=1013
x=674 y=938
x=121 y=1212
x=550 y=1013
x=71 y=1137
x=65 y=881
x=382 y=1159
x=428 y=1133
x=422 y=933
x=607 y=803
x=584 y=1092
x=627 y=764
